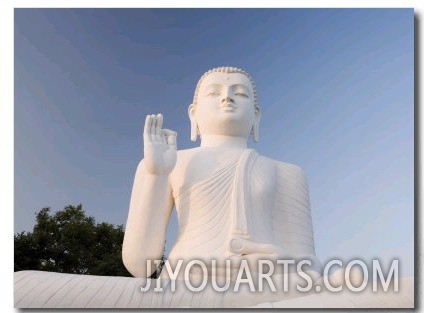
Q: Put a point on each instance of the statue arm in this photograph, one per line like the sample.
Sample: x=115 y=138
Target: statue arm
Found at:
x=292 y=220
x=151 y=200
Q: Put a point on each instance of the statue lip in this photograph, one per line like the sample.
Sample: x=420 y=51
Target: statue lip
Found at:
x=228 y=107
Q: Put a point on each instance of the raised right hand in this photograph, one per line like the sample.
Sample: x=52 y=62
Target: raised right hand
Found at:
x=160 y=146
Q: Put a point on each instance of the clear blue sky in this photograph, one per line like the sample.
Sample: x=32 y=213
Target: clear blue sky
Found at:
x=336 y=89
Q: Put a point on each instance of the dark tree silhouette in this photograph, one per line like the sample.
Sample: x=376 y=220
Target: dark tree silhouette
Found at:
x=70 y=242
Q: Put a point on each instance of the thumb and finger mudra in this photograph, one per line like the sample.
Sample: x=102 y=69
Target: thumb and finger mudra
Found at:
x=153 y=132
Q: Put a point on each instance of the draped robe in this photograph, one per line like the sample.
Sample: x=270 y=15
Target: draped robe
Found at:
x=246 y=197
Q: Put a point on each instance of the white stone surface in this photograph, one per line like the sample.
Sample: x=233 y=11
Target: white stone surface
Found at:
x=232 y=203
x=35 y=289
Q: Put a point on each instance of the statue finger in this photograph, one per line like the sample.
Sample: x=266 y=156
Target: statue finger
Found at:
x=153 y=127
x=147 y=126
x=158 y=128
x=171 y=137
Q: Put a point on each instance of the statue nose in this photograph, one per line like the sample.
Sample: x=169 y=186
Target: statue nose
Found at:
x=227 y=100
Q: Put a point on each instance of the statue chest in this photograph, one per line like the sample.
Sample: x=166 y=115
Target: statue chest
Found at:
x=232 y=196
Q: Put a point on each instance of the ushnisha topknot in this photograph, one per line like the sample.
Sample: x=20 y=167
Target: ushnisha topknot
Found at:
x=226 y=69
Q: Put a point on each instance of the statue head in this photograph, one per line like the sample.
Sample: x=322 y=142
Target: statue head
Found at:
x=225 y=103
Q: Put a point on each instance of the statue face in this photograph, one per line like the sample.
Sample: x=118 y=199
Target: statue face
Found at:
x=225 y=105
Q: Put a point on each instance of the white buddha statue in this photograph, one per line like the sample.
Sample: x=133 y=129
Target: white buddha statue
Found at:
x=232 y=203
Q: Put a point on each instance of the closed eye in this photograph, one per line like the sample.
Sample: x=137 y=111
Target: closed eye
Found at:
x=241 y=91
x=213 y=90
x=213 y=93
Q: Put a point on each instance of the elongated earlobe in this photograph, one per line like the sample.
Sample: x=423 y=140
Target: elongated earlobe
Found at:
x=194 y=128
x=255 y=128
x=194 y=131
x=255 y=132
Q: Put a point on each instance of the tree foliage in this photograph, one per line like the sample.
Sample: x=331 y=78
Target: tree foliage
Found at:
x=70 y=242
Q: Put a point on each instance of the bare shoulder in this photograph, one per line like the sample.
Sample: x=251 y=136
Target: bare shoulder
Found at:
x=185 y=156
x=187 y=152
